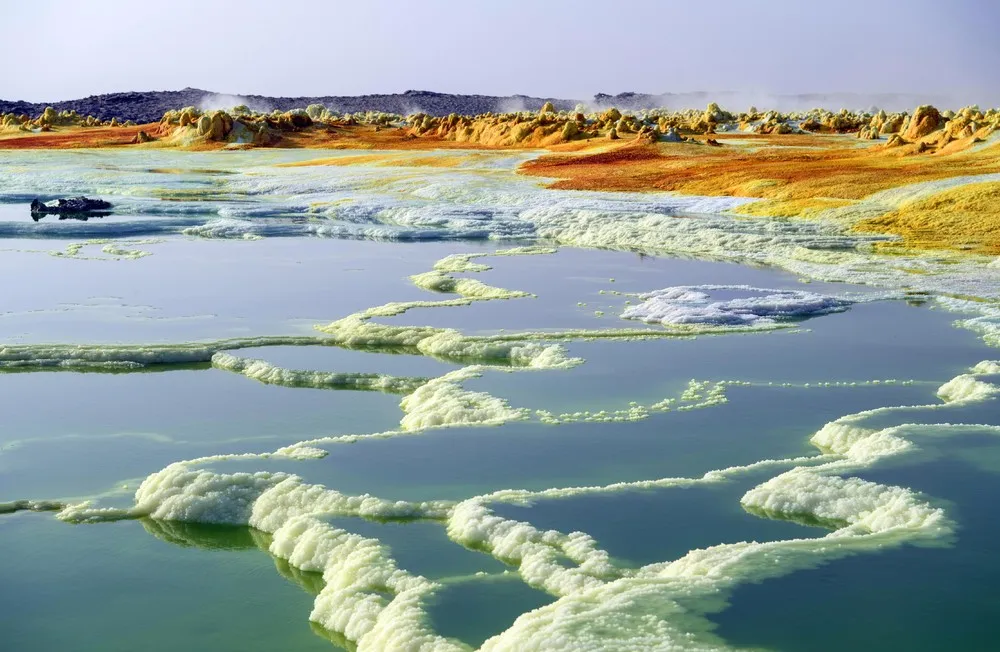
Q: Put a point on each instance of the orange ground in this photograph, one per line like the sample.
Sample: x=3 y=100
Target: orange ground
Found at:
x=72 y=138
x=828 y=166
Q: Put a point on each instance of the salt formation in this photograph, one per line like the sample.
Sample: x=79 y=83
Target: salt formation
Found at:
x=765 y=308
x=923 y=121
x=270 y=374
x=444 y=402
x=112 y=249
x=191 y=126
x=697 y=395
x=49 y=118
x=550 y=127
x=662 y=606
x=98 y=357
x=438 y=281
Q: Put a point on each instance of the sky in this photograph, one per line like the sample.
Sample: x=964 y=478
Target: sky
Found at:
x=551 y=48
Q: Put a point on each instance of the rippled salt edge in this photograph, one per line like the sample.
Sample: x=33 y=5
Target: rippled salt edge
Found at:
x=367 y=599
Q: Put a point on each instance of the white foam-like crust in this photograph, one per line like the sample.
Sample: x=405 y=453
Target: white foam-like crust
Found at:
x=986 y=319
x=265 y=372
x=113 y=249
x=358 y=331
x=443 y=401
x=693 y=304
x=114 y=356
x=697 y=395
x=860 y=507
x=357 y=575
x=987 y=367
x=537 y=554
x=438 y=281
x=462 y=263
x=815 y=249
x=968 y=388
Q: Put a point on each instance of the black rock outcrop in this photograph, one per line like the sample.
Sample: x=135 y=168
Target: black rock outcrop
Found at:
x=79 y=208
x=149 y=106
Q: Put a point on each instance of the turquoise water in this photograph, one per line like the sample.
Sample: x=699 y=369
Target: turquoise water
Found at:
x=651 y=442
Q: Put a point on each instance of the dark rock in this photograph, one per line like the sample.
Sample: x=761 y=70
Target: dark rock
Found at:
x=78 y=208
x=149 y=106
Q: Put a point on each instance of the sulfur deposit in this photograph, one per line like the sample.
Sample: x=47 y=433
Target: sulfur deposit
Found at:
x=51 y=119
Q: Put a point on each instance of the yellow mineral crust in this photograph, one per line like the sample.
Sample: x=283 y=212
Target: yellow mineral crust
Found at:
x=810 y=207
x=964 y=218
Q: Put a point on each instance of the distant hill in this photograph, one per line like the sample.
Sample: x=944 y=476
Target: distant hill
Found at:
x=149 y=106
x=739 y=101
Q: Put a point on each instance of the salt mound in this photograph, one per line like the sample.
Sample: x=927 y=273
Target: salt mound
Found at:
x=695 y=304
x=925 y=119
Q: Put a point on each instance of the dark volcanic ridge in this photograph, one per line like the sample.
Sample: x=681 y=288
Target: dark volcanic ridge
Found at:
x=149 y=106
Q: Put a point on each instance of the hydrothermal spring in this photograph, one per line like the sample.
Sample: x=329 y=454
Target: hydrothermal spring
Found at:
x=456 y=410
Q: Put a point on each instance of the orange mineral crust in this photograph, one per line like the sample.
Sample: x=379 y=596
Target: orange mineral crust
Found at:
x=767 y=167
x=72 y=137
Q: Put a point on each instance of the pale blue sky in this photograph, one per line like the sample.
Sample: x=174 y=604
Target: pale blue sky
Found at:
x=61 y=50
